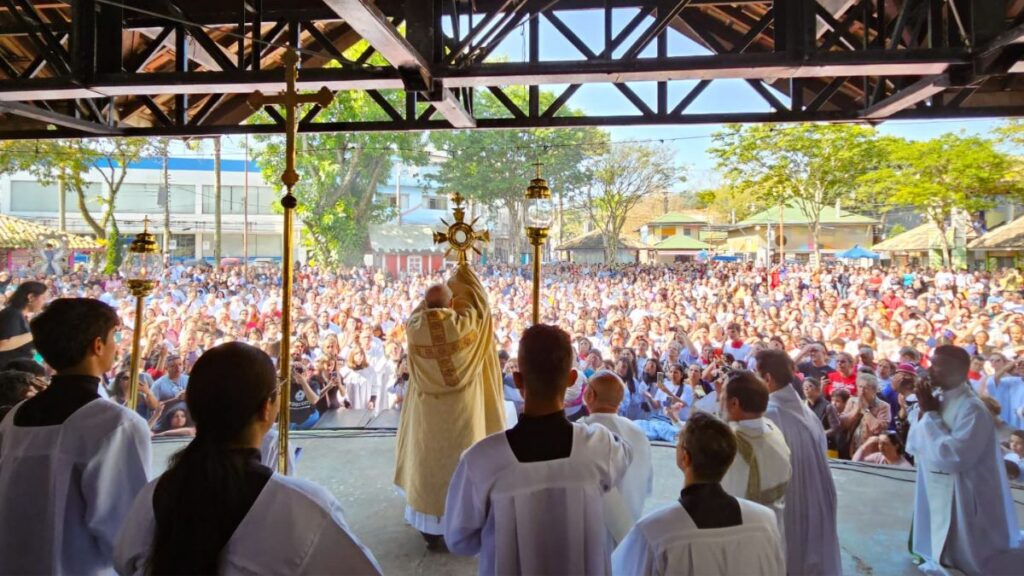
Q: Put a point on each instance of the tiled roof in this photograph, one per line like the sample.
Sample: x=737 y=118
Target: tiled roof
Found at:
x=1009 y=236
x=595 y=241
x=18 y=233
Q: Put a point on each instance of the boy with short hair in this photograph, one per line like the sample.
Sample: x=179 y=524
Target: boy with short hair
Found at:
x=71 y=463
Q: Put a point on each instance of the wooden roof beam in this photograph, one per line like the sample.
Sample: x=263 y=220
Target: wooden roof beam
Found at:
x=370 y=23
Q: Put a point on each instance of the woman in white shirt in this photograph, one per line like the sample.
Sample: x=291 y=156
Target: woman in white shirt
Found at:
x=217 y=509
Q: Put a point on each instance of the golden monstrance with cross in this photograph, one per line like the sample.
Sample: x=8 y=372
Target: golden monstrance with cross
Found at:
x=290 y=100
x=461 y=237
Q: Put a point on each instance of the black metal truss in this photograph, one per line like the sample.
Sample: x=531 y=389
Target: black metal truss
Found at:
x=869 y=61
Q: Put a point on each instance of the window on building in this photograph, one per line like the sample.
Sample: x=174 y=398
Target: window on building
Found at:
x=148 y=199
x=437 y=202
x=687 y=232
x=668 y=232
x=414 y=264
x=31 y=196
x=390 y=200
x=262 y=200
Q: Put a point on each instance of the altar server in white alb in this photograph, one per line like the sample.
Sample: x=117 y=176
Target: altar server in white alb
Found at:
x=812 y=540
x=530 y=500
x=964 y=520
x=761 y=471
x=624 y=504
x=70 y=462
x=217 y=509
x=708 y=532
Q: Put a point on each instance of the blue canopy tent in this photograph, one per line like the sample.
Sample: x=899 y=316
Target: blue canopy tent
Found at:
x=725 y=258
x=856 y=253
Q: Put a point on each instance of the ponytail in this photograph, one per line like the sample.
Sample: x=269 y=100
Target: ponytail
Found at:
x=208 y=490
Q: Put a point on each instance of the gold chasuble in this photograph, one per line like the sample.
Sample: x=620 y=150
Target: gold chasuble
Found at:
x=455 y=394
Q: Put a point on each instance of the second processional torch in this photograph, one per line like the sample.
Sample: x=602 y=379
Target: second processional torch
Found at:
x=539 y=216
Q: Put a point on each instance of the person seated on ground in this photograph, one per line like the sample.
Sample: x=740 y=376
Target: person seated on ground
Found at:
x=865 y=415
x=885 y=449
x=501 y=499
x=26 y=365
x=146 y=403
x=173 y=419
x=1015 y=455
x=826 y=413
x=707 y=531
x=840 y=441
x=15 y=386
x=71 y=462
x=624 y=504
x=217 y=509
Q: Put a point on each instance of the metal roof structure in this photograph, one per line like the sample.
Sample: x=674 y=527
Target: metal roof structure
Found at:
x=185 y=67
x=793 y=215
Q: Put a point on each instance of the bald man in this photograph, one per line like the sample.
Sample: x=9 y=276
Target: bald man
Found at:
x=623 y=505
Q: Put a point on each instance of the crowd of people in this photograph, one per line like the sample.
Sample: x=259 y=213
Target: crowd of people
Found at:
x=752 y=374
x=860 y=337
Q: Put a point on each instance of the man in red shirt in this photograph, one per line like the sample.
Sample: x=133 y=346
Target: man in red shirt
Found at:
x=844 y=376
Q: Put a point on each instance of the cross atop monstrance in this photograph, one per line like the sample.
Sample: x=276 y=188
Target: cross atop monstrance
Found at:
x=290 y=100
x=461 y=236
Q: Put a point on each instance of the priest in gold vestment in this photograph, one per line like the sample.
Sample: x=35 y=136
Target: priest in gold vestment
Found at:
x=454 y=397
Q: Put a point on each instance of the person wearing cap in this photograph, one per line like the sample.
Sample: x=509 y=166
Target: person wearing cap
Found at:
x=964 y=517
x=910 y=355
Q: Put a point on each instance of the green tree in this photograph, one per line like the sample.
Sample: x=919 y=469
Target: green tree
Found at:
x=727 y=206
x=809 y=166
x=66 y=162
x=494 y=167
x=940 y=177
x=340 y=173
x=621 y=179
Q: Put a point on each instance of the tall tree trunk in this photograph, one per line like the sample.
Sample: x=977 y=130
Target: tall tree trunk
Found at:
x=62 y=205
x=216 y=200
x=947 y=259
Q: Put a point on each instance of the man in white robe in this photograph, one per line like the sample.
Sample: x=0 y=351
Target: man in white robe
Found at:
x=70 y=462
x=624 y=504
x=708 y=532
x=530 y=500
x=812 y=539
x=761 y=471
x=964 y=519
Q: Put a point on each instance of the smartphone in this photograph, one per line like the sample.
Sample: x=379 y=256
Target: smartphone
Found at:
x=661 y=378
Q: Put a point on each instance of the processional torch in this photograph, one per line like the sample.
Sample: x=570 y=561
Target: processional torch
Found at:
x=142 y=267
x=539 y=215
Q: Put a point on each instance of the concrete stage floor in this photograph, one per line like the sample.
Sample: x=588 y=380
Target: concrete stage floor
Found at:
x=357 y=466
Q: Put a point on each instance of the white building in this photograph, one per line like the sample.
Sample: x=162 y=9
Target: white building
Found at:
x=192 y=204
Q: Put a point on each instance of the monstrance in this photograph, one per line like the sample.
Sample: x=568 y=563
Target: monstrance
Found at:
x=461 y=237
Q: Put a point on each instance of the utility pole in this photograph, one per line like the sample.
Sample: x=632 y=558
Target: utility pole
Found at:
x=167 y=200
x=398 y=192
x=245 y=213
x=216 y=201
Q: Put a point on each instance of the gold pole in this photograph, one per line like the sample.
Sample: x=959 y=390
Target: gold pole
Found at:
x=290 y=100
x=537 y=237
x=133 y=378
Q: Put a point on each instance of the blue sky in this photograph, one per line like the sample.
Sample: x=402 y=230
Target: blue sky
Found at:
x=689 y=142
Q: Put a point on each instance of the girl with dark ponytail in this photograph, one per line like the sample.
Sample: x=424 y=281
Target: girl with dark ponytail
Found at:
x=217 y=509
